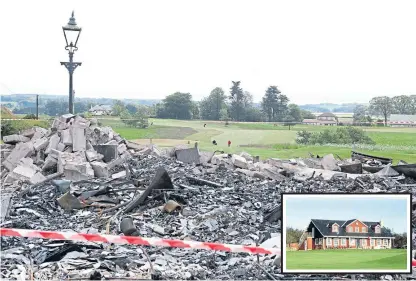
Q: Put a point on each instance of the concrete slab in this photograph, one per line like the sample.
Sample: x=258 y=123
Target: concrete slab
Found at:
x=13 y=139
x=5 y=202
x=81 y=122
x=40 y=144
x=53 y=143
x=189 y=155
x=66 y=117
x=79 y=142
x=50 y=162
x=21 y=150
x=66 y=137
x=239 y=161
x=39 y=133
x=93 y=155
x=100 y=169
x=110 y=151
x=119 y=175
x=24 y=172
x=328 y=162
x=28 y=132
x=121 y=148
x=60 y=147
x=36 y=178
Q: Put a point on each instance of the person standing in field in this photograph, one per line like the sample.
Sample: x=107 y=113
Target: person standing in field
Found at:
x=229 y=143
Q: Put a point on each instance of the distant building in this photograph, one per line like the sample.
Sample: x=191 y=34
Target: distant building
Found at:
x=326 y=118
x=102 y=109
x=402 y=120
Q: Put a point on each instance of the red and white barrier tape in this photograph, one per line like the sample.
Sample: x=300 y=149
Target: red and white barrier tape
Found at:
x=136 y=240
x=59 y=235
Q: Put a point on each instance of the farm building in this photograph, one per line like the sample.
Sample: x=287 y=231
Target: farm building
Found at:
x=101 y=109
x=330 y=234
x=326 y=118
x=402 y=120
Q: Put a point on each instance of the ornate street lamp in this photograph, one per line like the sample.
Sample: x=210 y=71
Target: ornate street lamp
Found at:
x=71 y=33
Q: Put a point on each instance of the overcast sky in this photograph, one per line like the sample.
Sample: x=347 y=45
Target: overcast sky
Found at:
x=314 y=51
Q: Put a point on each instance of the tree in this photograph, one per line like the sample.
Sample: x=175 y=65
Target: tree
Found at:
x=236 y=97
x=81 y=107
x=269 y=102
x=210 y=107
x=224 y=116
x=306 y=114
x=195 y=110
x=176 y=106
x=118 y=108
x=293 y=235
x=294 y=113
x=131 y=108
x=253 y=114
x=360 y=114
x=56 y=107
x=281 y=107
x=381 y=106
x=401 y=104
x=412 y=104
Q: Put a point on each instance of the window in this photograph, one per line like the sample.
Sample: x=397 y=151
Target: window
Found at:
x=329 y=241
x=335 y=242
x=352 y=242
x=318 y=241
x=350 y=229
x=363 y=242
x=343 y=242
x=372 y=242
x=335 y=228
x=364 y=229
x=378 y=242
x=357 y=229
x=377 y=229
x=386 y=242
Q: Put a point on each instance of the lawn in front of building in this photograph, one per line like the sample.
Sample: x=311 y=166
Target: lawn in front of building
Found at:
x=349 y=259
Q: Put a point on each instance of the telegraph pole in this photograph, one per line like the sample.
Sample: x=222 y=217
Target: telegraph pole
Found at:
x=37 y=107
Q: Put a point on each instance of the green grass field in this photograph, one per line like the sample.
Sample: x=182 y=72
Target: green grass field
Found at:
x=391 y=259
x=265 y=139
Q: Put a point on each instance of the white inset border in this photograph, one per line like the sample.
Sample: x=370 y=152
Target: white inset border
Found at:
x=344 y=196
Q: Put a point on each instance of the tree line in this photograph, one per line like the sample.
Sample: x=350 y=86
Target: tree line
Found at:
x=385 y=106
x=236 y=105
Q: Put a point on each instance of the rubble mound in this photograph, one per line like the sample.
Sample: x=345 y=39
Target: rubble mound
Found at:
x=78 y=177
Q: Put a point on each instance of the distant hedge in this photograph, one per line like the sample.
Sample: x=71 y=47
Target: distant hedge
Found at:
x=344 y=135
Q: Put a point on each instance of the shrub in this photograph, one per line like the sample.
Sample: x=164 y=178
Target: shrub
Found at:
x=30 y=116
x=303 y=137
x=344 y=135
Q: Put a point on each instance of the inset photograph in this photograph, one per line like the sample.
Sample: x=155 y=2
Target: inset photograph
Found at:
x=346 y=233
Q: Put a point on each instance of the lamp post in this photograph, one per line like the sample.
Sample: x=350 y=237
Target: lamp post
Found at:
x=71 y=33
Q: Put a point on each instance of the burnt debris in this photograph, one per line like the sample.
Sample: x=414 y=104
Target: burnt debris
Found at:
x=220 y=198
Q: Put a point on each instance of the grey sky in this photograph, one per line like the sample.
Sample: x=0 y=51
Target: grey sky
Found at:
x=314 y=51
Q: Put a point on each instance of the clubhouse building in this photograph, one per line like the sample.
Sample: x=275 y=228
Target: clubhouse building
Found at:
x=336 y=234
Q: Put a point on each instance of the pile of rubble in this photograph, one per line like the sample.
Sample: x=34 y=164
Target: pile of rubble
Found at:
x=73 y=147
x=89 y=180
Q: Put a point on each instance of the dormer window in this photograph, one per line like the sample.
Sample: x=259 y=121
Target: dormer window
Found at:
x=350 y=229
x=335 y=228
x=364 y=229
x=377 y=229
x=357 y=229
